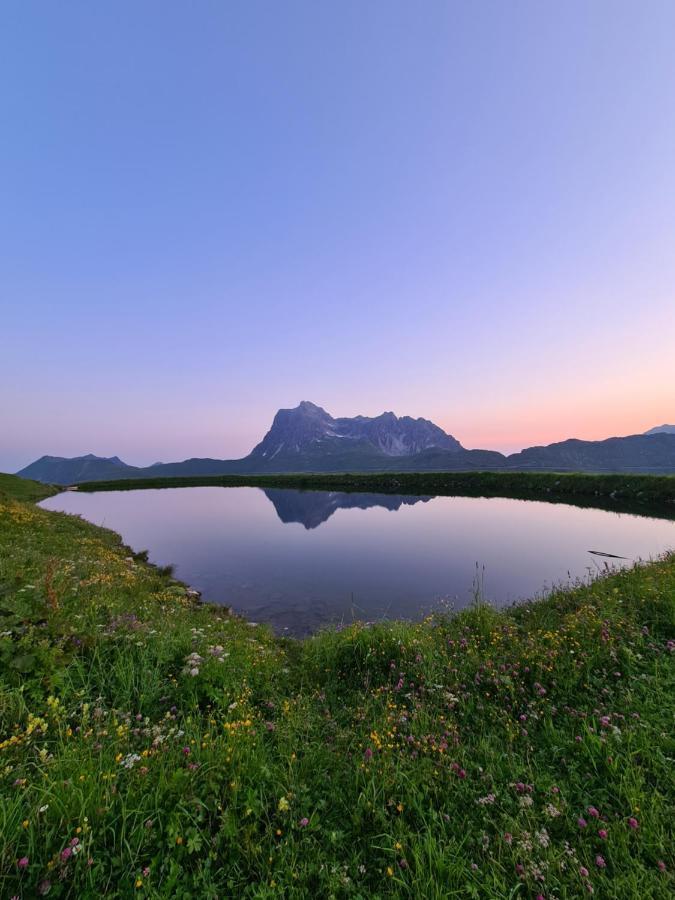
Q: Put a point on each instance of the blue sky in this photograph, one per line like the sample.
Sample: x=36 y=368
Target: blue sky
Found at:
x=464 y=211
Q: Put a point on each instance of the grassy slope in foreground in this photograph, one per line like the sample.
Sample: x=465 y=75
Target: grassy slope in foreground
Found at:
x=152 y=747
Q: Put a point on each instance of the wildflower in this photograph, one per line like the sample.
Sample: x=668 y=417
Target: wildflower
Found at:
x=661 y=865
x=390 y=871
x=146 y=871
x=139 y=882
x=283 y=804
x=633 y=823
x=368 y=754
x=583 y=871
x=179 y=840
x=600 y=862
x=23 y=862
x=25 y=823
x=581 y=822
x=508 y=838
x=186 y=751
x=592 y=811
x=602 y=833
x=44 y=887
x=66 y=854
x=304 y=822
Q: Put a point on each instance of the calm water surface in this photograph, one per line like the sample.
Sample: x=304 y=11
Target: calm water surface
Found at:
x=301 y=559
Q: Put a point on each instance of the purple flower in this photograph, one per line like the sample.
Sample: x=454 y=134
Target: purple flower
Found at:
x=592 y=811
x=508 y=838
x=661 y=865
x=633 y=823
x=186 y=751
x=583 y=871
x=23 y=862
x=600 y=862
x=602 y=833
x=581 y=822
x=304 y=822
x=66 y=854
x=368 y=754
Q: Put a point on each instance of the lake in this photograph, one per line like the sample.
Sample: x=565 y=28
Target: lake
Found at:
x=302 y=559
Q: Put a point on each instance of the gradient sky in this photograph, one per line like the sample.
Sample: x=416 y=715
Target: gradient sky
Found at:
x=209 y=210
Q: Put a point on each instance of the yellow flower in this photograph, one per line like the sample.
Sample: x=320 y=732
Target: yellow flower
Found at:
x=179 y=840
x=283 y=804
x=139 y=882
x=25 y=823
x=390 y=871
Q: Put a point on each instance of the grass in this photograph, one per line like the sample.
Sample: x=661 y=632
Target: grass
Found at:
x=622 y=493
x=155 y=747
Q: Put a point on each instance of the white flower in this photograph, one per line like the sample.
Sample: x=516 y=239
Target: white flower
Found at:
x=543 y=838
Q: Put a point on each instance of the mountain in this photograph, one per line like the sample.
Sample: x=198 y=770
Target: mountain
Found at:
x=308 y=428
x=636 y=453
x=308 y=439
x=63 y=470
x=662 y=429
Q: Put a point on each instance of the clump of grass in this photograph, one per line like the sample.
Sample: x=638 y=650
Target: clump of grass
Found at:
x=155 y=747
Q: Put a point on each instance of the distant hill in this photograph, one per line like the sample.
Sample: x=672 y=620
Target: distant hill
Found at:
x=308 y=439
x=662 y=429
x=635 y=453
x=62 y=470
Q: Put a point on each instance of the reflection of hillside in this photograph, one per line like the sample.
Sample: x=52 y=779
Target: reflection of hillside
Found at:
x=311 y=508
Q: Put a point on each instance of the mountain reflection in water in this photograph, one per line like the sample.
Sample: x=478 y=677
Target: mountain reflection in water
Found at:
x=313 y=508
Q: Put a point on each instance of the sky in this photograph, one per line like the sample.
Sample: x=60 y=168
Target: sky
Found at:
x=208 y=211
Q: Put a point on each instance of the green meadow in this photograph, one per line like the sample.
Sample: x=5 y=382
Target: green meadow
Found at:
x=155 y=746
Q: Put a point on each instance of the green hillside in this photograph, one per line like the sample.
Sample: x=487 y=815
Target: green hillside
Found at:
x=152 y=746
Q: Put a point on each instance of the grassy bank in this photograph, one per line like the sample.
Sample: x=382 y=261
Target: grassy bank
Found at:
x=153 y=747
x=642 y=493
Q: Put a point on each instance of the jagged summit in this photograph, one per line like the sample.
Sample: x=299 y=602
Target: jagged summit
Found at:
x=309 y=427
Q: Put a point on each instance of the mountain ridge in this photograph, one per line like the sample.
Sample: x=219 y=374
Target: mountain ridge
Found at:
x=308 y=439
